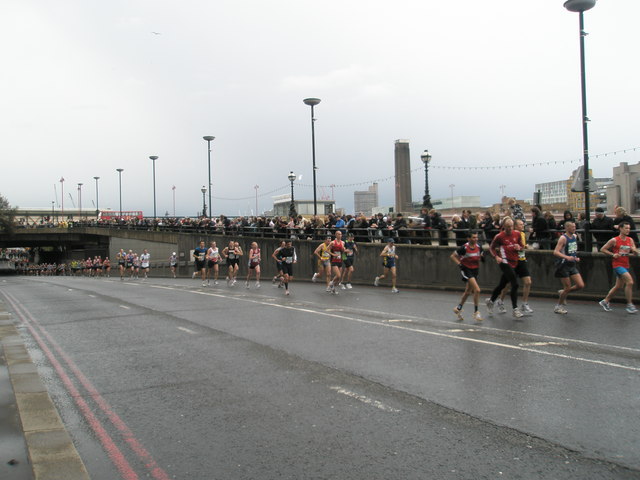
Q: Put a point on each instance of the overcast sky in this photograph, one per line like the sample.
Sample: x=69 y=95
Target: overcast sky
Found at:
x=87 y=87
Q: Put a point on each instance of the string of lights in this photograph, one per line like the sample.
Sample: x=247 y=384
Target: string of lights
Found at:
x=443 y=167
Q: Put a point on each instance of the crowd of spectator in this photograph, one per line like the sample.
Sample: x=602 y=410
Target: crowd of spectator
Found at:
x=427 y=228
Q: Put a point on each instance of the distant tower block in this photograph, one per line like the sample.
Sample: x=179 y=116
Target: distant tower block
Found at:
x=403 y=176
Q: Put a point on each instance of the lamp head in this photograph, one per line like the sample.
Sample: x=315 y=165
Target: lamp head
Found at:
x=425 y=157
x=153 y=157
x=96 y=178
x=311 y=101
x=120 y=170
x=579 y=5
x=203 y=189
x=209 y=138
x=292 y=176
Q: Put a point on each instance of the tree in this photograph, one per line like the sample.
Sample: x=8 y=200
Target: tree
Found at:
x=7 y=215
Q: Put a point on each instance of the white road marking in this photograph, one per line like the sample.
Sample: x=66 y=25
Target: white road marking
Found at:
x=543 y=344
x=125 y=307
x=400 y=320
x=365 y=400
x=436 y=334
x=186 y=330
x=92 y=296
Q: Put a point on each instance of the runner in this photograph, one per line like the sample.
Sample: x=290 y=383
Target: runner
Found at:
x=173 y=263
x=136 y=265
x=566 y=265
x=199 y=255
x=121 y=256
x=620 y=248
x=279 y=277
x=389 y=258
x=522 y=271
x=231 y=255
x=504 y=248
x=323 y=252
x=336 y=249
x=212 y=257
x=129 y=265
x=468 y=258
x=286 y=257
x=106 y=265
x=254 y=264
x=144 y=262
x=350 y=250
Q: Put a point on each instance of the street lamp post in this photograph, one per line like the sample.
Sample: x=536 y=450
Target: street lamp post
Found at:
x=174 y=200
x=209 y=139
x=204 y=204
x=581 y=6
x=426 y=200
x=62 y=198
x=80 y=199
x=451 y=187
x=97 y=206
x=256 y=187
x=313 y=102
x=153 y=160
x=120 y=170
x=292 y=205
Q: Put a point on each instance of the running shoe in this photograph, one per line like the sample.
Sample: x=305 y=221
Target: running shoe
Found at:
x=328 y=288
x=286 y=292
x=274 y=280
x=605 y=305
x=342 y=286
x=489 y=303
x=500 y=305
x=234 y=282
x=314 y=278
x=517 y=313
x=246 y=284
x=526 y=308
x=193 y=275
x=631 y=308
x=458 y=313
x=376 y=282
x=215 y=282
x=349 y=286
x=394 y=290
x=204 y=284
x=560 y=309
x=257 y=284
x=477 y=317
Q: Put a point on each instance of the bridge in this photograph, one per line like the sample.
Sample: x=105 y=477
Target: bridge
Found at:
x=419 y=266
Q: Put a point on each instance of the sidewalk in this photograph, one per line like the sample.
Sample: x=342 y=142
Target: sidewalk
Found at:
x=33 y=441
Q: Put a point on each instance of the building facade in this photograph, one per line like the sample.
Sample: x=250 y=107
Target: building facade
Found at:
x=365 y=201
x=624 y=190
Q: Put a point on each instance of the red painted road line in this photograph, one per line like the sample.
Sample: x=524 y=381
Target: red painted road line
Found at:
x=145 y=457
x=108 y=444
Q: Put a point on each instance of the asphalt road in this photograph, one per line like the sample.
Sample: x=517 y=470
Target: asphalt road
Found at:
x=165 y=379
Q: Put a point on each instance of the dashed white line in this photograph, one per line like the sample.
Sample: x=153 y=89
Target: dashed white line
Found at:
x=187 y=330
x=365 y=400
x=125 y=307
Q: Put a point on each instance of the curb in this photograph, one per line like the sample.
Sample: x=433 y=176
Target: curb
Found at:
x=51 y=452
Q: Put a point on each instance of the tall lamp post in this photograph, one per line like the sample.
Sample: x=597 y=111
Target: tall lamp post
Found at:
x=97 y=207
x=312 y=102
x=426 y=200
x=451 y=187
x=62 y=198
x=209 y=139
x=174 y=200
x=120 y=170
x=256 y=187
x=292 y=205
x=581 y=6
x=204 y=204
x=80 y=199
x=153 y=160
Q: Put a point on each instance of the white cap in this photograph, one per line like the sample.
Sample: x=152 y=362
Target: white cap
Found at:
x=173 y=253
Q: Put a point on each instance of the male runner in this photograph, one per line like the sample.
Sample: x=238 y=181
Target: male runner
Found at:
x=199 y=255
x=468 y=258
x=286 y=257
x=522 y=271
x=389 y=258
x=567 y=271
x=620 y=248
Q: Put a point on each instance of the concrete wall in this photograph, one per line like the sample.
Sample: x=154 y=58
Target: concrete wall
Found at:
x=418 y=266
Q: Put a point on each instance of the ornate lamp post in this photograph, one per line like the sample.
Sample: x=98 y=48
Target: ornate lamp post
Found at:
x=62 y=198
x=451 y=187
x=153 y=159
x=581 y=6
x=97 y=207
x=120 y=170
x=256 y=187
x=312 y=102
x=426 y=200
x=204 y=204
x=209 y=139
x=292 y=205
